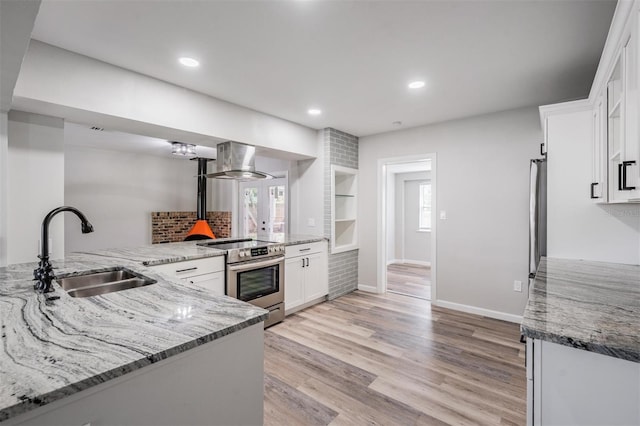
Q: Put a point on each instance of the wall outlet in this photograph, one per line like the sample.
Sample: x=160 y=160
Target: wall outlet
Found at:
x=517 y=286
x=443 y=215
x=311 y=222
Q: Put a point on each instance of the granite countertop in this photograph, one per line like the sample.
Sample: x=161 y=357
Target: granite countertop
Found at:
x=54 y=345
x=587 y=305
x=293 y=239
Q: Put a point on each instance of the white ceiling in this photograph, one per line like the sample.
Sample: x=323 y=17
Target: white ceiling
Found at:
x=81 y=135
x=352 y=59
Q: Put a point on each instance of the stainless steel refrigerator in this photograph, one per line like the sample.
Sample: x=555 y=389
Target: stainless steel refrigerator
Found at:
x=537 y=214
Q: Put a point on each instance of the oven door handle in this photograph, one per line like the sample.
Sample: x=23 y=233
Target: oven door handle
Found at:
x=258 y=264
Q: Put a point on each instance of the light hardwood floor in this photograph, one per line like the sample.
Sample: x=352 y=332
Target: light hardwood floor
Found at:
x=412 y=280
x=392 y=360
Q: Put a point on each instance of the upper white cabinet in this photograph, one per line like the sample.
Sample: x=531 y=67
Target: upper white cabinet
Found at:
x=344 y=201
x=616 y=116
x=598 y=189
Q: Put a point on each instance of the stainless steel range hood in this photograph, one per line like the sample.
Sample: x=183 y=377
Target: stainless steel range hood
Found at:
x=237 y=161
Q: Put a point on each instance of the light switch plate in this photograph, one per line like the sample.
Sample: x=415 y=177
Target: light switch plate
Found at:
x=311 y=222
x=443 y=215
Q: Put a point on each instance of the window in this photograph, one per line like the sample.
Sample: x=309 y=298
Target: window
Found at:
x=425 y=206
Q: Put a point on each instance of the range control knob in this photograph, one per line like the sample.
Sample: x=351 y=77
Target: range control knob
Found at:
x=241 y=253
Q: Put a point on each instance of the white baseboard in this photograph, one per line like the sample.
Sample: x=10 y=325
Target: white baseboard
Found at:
x=478 y=311
x=368 y=288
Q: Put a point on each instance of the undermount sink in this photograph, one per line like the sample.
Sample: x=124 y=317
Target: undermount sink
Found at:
x=96 y=283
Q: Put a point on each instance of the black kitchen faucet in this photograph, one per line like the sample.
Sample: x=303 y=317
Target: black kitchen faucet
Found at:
x=43 y=274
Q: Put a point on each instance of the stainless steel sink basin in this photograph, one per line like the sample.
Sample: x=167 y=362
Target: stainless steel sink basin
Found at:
x=95 y=283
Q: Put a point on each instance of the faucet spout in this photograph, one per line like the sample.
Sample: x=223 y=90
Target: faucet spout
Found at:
x=43 y=274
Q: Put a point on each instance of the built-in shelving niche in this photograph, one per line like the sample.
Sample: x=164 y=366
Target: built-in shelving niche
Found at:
x=344 y=203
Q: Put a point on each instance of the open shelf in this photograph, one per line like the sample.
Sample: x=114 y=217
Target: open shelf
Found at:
x=344 y=190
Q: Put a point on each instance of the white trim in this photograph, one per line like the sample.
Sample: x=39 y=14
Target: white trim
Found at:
x=563 y=108
x=392 y=261
x=478 y=311
x=368 y=288
x=621 y=17
x=383 y=164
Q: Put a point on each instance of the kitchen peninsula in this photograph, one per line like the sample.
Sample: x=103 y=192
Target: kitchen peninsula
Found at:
x=583 y=347
x=165 y=353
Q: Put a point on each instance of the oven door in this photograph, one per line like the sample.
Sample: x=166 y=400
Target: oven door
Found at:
x=260 y=282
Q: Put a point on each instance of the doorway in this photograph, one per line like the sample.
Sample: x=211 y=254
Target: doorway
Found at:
x=263 y=209
x=407 y=223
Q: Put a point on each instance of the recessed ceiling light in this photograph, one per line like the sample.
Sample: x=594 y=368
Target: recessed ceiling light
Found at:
x=189 y=62
x=314 y=111
x=416 y=84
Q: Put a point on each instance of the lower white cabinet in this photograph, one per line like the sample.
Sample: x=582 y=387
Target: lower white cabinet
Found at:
x=568 y=386
x=306 y=280
x=208 y=273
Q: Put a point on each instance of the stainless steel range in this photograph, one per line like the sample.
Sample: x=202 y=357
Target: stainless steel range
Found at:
x=255 y=274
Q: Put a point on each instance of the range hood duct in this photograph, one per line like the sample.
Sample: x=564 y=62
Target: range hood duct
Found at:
x=201 y=229
x=237 y=161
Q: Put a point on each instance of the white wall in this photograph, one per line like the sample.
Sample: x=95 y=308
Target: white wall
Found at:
x=35 y=184
x=307 y=194
x=117 y=191
x=482 y=178
x=4 y=147
x=414 y=245
x=88 y=91
x=577 y=228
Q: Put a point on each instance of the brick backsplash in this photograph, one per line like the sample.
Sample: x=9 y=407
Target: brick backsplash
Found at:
x=172 y=227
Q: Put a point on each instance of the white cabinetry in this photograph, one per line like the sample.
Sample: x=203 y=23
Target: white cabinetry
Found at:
x=615 y=98
x=598 y=190
x=306 y=280
x=568 y=386
x=344 y=201
x=208 y=273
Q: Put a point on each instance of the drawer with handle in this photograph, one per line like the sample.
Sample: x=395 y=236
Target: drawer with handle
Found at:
x=305 y=249
x=192 y=268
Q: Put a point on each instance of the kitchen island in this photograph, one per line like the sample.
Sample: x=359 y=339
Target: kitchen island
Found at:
x=165 y=353
x=582 y=324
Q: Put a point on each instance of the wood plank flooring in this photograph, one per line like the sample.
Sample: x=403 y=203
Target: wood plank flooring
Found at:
x=392 y=360
x=412 y=280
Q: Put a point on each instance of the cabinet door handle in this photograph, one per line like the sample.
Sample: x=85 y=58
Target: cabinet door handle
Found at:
x=593 y=185
x=542 y=151
x=622 y=176
x=186 y=269
x=303 y=262
x=307 y=262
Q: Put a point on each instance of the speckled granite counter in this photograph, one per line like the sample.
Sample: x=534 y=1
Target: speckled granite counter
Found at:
x=293 y=239
x=593 y=306
x=54 y=345
x=157 y=254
